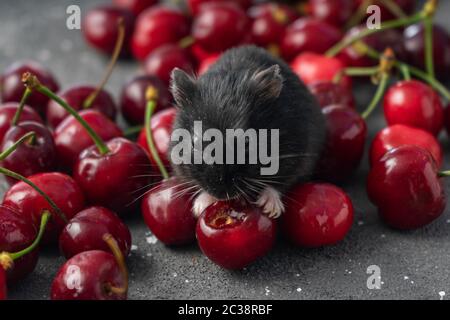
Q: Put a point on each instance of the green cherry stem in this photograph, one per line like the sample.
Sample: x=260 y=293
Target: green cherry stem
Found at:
x=444 y=174
x=355 y=72
x=32 y=82
x=30 y=136
x=384 y=80
x=405 y=72
x=131 y=131
x=186 y=42
x=152 y=96
x=18 y=113
x=429 y=63
x=393 y=7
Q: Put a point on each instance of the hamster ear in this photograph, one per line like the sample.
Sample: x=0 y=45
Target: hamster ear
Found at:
x=182 y=87
x=268 y=82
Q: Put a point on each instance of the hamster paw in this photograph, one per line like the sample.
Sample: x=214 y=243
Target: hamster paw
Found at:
x=202 y=201
x=270 y=202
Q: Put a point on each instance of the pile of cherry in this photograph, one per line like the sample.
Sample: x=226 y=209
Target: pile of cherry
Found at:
x=73 y=173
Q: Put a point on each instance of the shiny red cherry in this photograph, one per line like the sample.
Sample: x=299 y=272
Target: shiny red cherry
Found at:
x=133 y=100
x=114 y=180
x=135 y=6
x=334 y=12
x=415 y=104
x=12 y=88
x=86 y=229
x=76 y=96
x=167 y=211
x=233 y=235
x=71 y=137
x=62 y=189
x=405 y=186
x=219 y=26
x=329 y=93
x=301 y=36
x=206 y=63
x=344 y=148
x=156 y=26
x=100 y=28
x=195 y=6
x=30 y=157
x=161 y=61
x=3 y=289
x=317 y=214
x=7 y=112
x=399 y=135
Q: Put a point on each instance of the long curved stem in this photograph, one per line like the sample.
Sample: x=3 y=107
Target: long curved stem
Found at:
x=18 y=113
x=27 y=136
x=114 y=247
x=384 y=80
x=429 y=61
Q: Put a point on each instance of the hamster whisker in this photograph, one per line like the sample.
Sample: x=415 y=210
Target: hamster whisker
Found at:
x=144 y=187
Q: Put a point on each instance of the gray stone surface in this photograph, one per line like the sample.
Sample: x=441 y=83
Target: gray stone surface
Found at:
x=413 y=264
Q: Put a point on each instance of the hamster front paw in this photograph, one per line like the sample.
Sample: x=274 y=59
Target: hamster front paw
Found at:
x=270 y=202
x=202 y=201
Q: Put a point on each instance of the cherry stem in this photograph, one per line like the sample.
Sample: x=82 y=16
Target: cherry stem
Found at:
x=131 y=131
x=355 y=72
x=18 y=113
x=30 y=136
x=186 y=42
x=17 y=176
x=443 y=174
x=429 y=61
x=393 y=7
x=114 y=247
x=115 y=56
x=32 y=82
x=405 y=72
x=359 y=14
x=152 y=96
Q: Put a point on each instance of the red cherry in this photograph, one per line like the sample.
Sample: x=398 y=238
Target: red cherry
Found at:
x=133 y=97
x=113 y=180
x=12 y=88
x=219 y=26
x=415 y=104
x=233 y=235
x=317 y=214
x=167 y=212
x=195 y=6
x=135 y=6
x=405 y=187
x=206 y=63
x=399 y=135
x=312 y=67
x=100 y=28
x=161 y=125
x=85 y=231
x=17 y=233
x=334 y=12
x=3 y=290
x=329 y=93
x=156 y=26
x=71 y=137
x=61 y=188
x=301 y=36
x=76 y=96
x=347 y=132
x=7 y=112
x=161 y=61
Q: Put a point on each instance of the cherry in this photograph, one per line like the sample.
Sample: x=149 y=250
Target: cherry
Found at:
x=399 y=135
x=92 y=275
x=85 y=231
x=100 y=28
x=7 y=113
x=317 y=214
x=219 y=26
x=156 y=26
x=12 y=88
x=334 y=12
x=199 y=53
x=76 y=96
x=3 y=290
x=135 y=6
x=347 y=132
x=313 y=67
x=302 y=36
x=195 y=6
x=133 y=100
x=206 y=63
x=329 y=93
x=233 y=234
x=405 y=186
x=415 y=104
x=161 y=61
x=71 y=137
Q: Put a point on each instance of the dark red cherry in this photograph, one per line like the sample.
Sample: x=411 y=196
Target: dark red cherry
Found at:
x=344 y=148
x=317 y=214
x=71 y=137
x=220 y=26
x=329 y=93
x=334 y=12
x=233 y=235
x=30 y=157
x=85 y=231
x=114 y=180
x=167 y=211
x=399 y=135
x=100 y=28
x=301 y=36
x=7 y=112
x=76 y=96
x=206 y=63
x=3 y=289
x=135 y=6
x=405 y=186
x=12 y=88
x=17 y=233
x=133 y=100
x=415 y=104
x=156 y=26
x=195 y=6
x=62 y=189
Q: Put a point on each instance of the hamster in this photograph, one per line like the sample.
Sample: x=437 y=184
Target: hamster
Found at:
x=247 y=88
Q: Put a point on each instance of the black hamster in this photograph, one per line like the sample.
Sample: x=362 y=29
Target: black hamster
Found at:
x=247 y=88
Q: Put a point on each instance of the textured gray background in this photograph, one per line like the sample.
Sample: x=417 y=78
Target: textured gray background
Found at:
x=413 y=264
